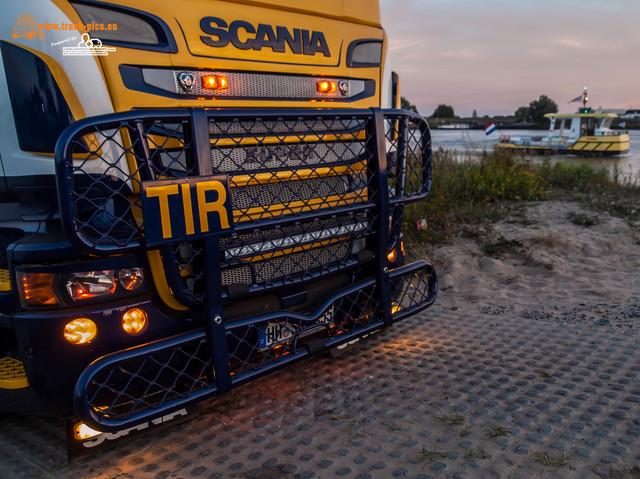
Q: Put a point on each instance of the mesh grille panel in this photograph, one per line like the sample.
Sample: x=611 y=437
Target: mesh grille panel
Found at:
x=287 y=126
x=257 y=85
x=284 y=167
x=241 y=275
x=270 y=157
x=305 y=261
x=247 y=197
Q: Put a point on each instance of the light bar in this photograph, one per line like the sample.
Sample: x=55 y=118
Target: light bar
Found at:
x=296 y=240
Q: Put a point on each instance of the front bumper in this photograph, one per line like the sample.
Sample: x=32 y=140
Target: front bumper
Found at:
x=126 y=388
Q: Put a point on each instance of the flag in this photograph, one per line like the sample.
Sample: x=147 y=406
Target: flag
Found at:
x=490 y=128
x=578 y=98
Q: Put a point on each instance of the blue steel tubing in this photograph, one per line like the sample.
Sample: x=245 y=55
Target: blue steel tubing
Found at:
x=381 y=179
x=81 y=394
x=215 y=321
x=215 y=329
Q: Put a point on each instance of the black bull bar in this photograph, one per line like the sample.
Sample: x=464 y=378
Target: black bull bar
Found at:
x=236 y=203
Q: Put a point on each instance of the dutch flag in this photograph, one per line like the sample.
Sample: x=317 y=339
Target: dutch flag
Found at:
x=490 y=128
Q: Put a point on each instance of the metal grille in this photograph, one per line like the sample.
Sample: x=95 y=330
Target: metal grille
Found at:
x=407 y=146
x=268 y=157
x=276 y=256
x=411 y=291
x=257 y=85
x=284 y=193
x=311 y=193
x=293 y=168
x=148 y=379
x=261 y=126
x=261 y=345
x=129 y=387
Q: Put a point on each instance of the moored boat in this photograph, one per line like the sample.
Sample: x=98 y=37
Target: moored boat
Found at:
x=454 y=126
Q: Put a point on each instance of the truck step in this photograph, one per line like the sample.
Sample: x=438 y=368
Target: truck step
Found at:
x=12 y=374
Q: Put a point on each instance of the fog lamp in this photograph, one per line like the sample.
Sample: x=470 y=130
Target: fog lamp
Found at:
x=80 y=331
x=134 y=321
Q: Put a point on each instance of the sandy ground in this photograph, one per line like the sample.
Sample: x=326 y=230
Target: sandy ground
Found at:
x=552 y=268
x=527 y=366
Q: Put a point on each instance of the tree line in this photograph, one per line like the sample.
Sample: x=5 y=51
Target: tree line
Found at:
x=534 y=113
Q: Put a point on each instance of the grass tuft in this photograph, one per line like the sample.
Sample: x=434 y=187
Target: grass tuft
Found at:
x=430 y=455
x=468 y=195
x=583 y=219
x=546 y=459
x=497 y=430
x=452 y=420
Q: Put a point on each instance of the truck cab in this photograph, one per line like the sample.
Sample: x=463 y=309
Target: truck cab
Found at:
x=196 y=194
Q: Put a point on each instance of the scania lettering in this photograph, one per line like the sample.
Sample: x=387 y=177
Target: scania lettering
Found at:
x=299 y=41
x=200 y=196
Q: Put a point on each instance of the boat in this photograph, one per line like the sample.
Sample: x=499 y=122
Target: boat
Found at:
x=581 y=134
x=454 y=126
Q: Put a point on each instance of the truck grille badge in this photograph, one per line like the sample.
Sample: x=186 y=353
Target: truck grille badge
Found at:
x=186 y=80
x=343 y=86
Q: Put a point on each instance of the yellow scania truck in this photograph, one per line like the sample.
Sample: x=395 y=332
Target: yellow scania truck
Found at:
x=195 y=194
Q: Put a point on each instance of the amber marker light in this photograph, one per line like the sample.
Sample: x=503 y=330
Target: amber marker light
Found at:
x=80 y=331
x=81 y=432
x=214 y=82
x=326 y=86
x=134 y=321
x=36 y=288
x=392 y=256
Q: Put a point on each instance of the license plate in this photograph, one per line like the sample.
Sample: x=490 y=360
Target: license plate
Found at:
x=283 y=333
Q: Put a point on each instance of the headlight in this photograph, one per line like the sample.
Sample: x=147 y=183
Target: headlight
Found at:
x=131 y=279
x=133 y=28
x=60 y=289
x=364 y=53
x=90 y=285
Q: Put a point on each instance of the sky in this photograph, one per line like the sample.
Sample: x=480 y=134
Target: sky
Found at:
x=494 y=56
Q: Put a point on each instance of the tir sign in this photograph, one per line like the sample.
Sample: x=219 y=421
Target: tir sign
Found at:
x=185 y=209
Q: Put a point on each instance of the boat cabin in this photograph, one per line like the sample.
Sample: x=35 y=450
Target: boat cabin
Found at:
x=573 y=126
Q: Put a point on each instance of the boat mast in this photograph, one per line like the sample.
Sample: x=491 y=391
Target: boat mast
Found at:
x=585 y=99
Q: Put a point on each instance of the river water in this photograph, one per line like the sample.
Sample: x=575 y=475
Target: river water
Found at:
x=470 y=143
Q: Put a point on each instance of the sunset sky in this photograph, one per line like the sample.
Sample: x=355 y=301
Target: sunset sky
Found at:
x=496 y=55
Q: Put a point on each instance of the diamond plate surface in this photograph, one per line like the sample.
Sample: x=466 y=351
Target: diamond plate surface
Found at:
x=456 y=392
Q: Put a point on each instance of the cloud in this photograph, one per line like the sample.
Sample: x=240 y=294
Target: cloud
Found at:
x=569 y=42
x=497 y=55
x=464 y=53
